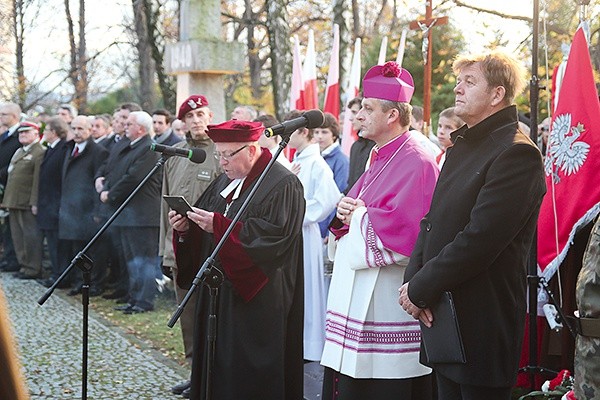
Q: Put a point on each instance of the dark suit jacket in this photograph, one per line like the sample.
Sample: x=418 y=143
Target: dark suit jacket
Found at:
x=49 y=188
x=475 y=242
x=8 y=146
x=170 y=140
x=79 y=198
x=131 y=164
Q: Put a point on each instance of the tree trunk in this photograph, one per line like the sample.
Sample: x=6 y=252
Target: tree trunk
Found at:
x=81 y=89
x=157 y=44
x=146 y=63
x=254 y=62
x=356 y=28
x=341 y=16
x=281 y=55
x=19 y=32
x=377 y=22
x=73 y=76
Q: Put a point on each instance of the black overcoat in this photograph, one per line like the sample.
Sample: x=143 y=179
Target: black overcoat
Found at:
x=475 y=242
x=50 y=186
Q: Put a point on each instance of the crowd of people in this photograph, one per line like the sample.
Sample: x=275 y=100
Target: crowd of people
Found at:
x=399 y=232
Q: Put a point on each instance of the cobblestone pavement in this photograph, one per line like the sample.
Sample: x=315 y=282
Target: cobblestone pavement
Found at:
x=49 y=339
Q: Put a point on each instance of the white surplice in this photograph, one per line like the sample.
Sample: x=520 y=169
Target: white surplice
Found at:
x=321 y=195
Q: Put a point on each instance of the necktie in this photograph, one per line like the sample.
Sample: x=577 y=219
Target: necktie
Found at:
x=75 y=152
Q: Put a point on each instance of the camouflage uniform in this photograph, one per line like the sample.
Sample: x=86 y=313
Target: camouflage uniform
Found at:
x=587 y=348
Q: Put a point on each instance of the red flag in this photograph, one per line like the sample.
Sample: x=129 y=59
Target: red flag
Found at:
x=309 y=73
x=332 y=93
x=349 y=135
x=296 y=99
x=572 y=161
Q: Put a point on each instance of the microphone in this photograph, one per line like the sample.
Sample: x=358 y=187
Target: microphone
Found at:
x=194 y=154
x=310 y=119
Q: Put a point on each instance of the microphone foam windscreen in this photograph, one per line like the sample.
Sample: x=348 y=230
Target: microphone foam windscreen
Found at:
x=315 y=118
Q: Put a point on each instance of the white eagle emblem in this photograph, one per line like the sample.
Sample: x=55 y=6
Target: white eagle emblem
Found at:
x=565 y=152
x=192 y=104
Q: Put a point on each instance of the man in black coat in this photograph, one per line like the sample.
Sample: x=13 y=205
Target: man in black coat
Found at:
x=78 y=199
x=10 y=114
x=49 y=190
x=138 y=223
x=475 y=240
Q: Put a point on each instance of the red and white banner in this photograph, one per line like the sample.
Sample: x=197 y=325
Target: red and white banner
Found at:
x=332 y=92
x=572 y=161
x=349 y=135
x=296 y=98
x=309 y=73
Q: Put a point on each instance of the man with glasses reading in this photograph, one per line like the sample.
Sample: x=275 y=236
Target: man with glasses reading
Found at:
x=260 y=305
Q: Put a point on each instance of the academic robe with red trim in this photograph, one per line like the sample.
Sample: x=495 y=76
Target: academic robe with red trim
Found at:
x=260 y=305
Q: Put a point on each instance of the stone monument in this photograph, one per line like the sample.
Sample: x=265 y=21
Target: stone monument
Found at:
x=201 y=58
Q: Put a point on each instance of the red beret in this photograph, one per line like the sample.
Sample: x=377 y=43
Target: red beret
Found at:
x=28 y=126
x=236 y=131
x=191 y=103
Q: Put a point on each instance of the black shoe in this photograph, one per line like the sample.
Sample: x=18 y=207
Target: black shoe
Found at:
x=136 y=310
x=10 y=268
x=187 y=392
x=180 y=387
x=124 y=307
x=117 y=294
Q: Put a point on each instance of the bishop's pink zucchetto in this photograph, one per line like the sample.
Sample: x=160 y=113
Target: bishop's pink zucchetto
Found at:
x=388 y=82
x=191 y=103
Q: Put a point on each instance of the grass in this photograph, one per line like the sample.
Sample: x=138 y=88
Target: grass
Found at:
x=151 y=327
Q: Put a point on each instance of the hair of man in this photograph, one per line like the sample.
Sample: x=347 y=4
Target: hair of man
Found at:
x=58 y=126
x=499 y=69
x=164 y=113
x=404 y=110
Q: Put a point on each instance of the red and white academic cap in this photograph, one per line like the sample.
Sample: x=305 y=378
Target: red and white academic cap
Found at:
x=388 y=82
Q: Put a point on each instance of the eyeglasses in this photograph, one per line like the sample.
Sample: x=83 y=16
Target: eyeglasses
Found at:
x=227 y=157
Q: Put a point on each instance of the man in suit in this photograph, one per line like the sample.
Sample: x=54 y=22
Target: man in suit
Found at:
x=138 y=223
x=78 y=199
x=161 y=122
x=117 y=278
x=21 y=199
x=10 y=114
x=101 y=130
x=475 y=240
x=49 y=190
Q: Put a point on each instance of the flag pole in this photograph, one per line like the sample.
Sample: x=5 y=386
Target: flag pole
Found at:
x=533 y=279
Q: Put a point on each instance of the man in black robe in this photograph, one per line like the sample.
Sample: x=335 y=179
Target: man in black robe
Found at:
x=258 y=351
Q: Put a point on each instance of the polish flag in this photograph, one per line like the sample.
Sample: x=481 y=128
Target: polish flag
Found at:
x=349 y=135
x=332 y=93
x=572 y=161
x=309 y=73
x=382 y=51
x=296 y=98
x=401 y=46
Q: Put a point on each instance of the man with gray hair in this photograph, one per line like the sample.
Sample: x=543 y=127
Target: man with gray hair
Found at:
x=244 y=113
x=138 y=223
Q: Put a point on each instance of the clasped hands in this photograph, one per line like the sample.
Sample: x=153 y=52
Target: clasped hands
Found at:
x=346 y=208
x=422 y=314
x=198 y=216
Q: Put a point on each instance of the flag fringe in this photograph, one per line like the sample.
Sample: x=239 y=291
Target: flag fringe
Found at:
x=553 y=265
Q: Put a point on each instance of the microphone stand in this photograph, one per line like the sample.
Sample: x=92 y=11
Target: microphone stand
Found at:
x=85 y=264
x=213 y=277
